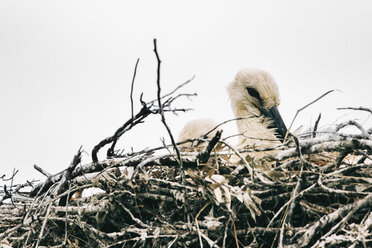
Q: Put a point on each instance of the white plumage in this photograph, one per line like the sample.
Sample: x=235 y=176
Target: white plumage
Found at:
x=196 y=129
x=254 y=99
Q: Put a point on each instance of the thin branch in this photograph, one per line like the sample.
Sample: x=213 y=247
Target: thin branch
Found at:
x=304 y=107
x=316 y=125
x=205 y=154
x=10 y=178
x=42 y=171
x=353 y=123
x=183 y=176
x=289 y=213
x=245 y=162
x=146 y=110
x=223 y=123
x=330 y=219
x=138 y=118
x=360 y=108
x=173 y=91
x=161 y=111
x=131 y=89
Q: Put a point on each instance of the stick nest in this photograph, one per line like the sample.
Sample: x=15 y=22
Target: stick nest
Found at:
x=308 y=192
x=317 y=194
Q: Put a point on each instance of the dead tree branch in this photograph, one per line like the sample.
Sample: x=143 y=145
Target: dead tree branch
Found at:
x=359 y=108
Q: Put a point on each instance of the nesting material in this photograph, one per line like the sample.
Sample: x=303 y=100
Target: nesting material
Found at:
x=312 y=192
x=316 y=198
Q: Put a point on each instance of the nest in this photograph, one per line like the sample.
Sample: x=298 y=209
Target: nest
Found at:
x=308 y=192
x=310 y=198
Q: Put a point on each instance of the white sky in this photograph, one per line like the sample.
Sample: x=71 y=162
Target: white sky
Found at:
x=66 y=67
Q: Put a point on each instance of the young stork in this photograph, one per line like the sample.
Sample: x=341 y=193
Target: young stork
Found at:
x=205 y=128
x=255 y=99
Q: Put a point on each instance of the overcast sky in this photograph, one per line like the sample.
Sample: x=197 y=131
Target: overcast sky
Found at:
x=66 y=67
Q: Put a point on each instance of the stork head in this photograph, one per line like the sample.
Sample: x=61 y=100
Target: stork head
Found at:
x=254 y=94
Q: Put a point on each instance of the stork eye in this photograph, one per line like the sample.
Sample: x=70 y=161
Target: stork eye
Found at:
x=254 y=93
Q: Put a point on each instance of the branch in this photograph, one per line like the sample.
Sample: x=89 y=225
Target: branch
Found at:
x=316 y=125
x=52 y=179
x=360 y=108
x=161 y=111
x=331 y=218
x=353 y=123
x=138 y=118
x=204 y=155
x=131 y=89
x=304 y=107
x=147 y=109
x=66 y=177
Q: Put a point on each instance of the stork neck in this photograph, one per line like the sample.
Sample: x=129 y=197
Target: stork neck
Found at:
x=254 y=129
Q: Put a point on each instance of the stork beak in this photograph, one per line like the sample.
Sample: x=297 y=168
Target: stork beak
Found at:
x=278 y=122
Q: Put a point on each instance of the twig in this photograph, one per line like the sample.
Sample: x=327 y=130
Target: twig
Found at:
x=175 y=90
x=131 y=89
x=304 y=107
x=43 y=187
x=146 y=110
x=63 y=184
x=287 y=203
x=66 y=213
x=316 y=146
x=316 y=125
x=360 y=108
x=138 y=221
x=235 y=233
x=291 y=206
x=173 y=241
x=298 y=149
x=225 y=233
x=205 y=154
x=42 y=171
x=110 y=151
x=353 y=123
x=138 y=118
x=338 y=191
x=197 y=224
x=43 y=226
x=247 y=165
x=331 y=218
x=10 y=178
x=223 y=123
x=161 y=112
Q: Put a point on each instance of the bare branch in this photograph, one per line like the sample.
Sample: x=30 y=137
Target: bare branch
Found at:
x=316 y=125
x=360 y=108
x=332 y=218
x=161 y=111
x=353 y=123
x=204 y=155
x=304 y=107
x=131 y=89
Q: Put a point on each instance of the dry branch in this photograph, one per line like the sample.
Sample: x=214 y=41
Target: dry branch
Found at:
x=359 y=108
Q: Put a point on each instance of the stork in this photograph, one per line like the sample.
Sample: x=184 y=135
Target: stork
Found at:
x=204 y=128
x=254 y=97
